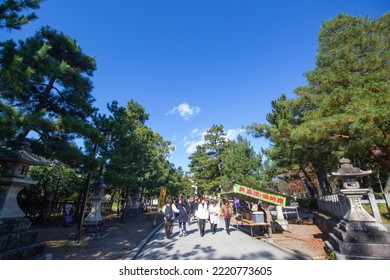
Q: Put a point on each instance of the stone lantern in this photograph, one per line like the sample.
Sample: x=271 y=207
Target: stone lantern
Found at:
x=97 y=195
x=16 y=240
x=349 y=176
x=93 y=224
x=358 y=235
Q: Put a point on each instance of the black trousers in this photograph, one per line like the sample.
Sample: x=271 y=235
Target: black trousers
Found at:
x=227 y=224
x=168 y=227
x=202 y=225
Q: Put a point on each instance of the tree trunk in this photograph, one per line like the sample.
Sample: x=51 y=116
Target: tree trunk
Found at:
x=323 y=180
x=126 y=203
x=381 y=155
x=387 y=186
x=42 y=104
x=308 y=183
x=47 y=210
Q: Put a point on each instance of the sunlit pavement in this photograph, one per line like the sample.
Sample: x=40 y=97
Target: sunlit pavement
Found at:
x=221 y=246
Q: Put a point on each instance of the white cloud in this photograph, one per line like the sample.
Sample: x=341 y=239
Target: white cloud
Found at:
x=197 y=138
x=191 y=145
x=232 y=134
x=185 y=111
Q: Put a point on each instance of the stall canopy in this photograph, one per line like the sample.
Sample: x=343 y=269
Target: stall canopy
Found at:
x=253 y=195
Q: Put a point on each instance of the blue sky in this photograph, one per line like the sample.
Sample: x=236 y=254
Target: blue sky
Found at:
x=192 y=64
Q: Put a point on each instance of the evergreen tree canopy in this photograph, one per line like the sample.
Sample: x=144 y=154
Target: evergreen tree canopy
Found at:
x=45 y=92
x=240 y=163
x=219 y=161
x=343 y=111
x=205 y=162
x=11 y=16
x=347 y=100
x=137 y=156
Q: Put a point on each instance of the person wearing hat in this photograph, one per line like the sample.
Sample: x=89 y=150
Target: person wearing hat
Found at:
x=214 y=210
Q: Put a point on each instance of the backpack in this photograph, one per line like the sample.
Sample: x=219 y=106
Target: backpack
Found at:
x=168 y=214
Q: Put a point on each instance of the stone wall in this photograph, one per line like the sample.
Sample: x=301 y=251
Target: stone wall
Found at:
x=325 y=223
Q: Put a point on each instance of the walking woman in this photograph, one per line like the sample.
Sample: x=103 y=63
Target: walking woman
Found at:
x=214 y=210
x=168 y=210
x=226 y=213
x=182 y=217
x=202 y=214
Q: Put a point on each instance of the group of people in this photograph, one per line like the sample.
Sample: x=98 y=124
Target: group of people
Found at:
x=187 y=210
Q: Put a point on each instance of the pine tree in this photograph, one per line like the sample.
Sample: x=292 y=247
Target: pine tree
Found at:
x=45 y=92
x=11 y=16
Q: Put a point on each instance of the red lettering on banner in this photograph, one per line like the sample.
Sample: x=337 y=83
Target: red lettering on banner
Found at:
x=272 y=198
x=265 y=196
x=241 y=189
x=249 y=191
x=280 y=200
x=257 y=194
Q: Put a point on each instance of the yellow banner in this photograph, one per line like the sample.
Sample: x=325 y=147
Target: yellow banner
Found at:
x=161 y=199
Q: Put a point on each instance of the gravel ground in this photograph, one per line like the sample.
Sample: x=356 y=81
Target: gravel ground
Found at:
x=305 y=239
x=118 y=245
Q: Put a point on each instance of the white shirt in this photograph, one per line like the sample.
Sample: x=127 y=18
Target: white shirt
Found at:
x=202 y=212
x=175 y=210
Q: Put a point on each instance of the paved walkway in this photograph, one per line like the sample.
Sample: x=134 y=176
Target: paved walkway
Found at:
x=221 y=246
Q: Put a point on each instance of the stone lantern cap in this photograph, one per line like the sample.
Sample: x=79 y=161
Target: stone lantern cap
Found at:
x=99 y=184
x=21 y=154
x=348 y=170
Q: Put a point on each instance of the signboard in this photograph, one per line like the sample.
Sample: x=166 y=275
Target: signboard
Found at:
x=161 y=199
x=253 y=193
x=68 y=213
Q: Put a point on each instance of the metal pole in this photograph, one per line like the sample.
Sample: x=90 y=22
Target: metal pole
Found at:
x=84 y=203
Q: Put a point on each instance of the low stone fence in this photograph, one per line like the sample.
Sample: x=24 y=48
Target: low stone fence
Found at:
x=332 y=208
x=334 y=205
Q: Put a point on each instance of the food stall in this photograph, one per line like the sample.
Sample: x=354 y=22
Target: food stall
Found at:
x=244 y=195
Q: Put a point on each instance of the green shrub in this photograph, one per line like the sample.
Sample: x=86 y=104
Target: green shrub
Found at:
x=332 y=256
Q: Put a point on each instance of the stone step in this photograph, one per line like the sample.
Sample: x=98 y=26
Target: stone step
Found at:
x=14 y=225
x=28 y=252
x=362 y=237
x=17 y=239
x=377 y=251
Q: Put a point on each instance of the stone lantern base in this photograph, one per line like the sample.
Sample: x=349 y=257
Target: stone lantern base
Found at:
x=360 y=240
x=95 y=230
x=18 y=242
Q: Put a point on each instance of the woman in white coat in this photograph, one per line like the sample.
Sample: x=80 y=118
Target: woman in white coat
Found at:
x=202 y=214
x=214 y=210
